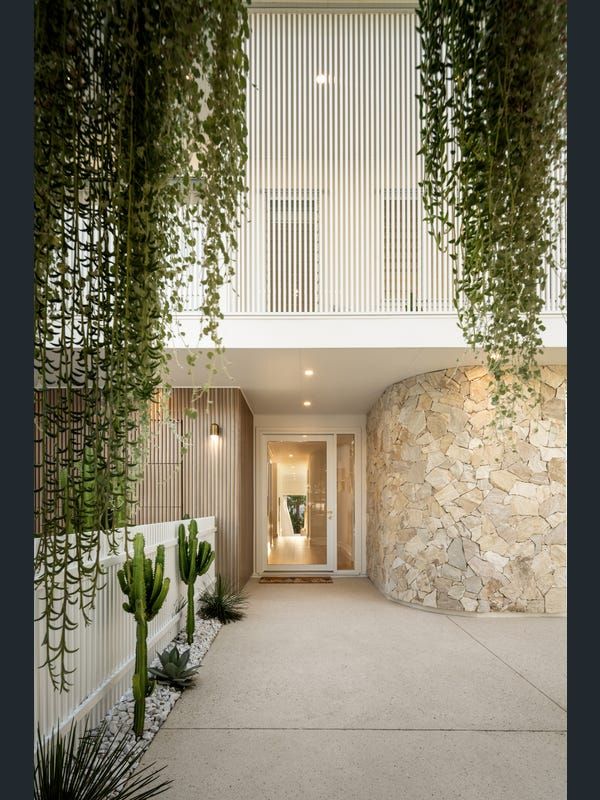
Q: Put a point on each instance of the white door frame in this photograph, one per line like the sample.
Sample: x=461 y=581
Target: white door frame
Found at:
x=284 y=426
x=331 y=518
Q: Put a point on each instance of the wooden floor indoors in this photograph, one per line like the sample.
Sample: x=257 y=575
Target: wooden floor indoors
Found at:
x=297 y=549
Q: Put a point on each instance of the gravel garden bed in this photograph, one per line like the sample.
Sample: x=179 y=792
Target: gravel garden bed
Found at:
x=119 y=719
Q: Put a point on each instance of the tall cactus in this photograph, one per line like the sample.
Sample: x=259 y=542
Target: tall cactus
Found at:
x=146 y=591
x=195 y=559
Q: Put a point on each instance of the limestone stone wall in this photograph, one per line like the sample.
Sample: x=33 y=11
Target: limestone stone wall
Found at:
x=458 y=517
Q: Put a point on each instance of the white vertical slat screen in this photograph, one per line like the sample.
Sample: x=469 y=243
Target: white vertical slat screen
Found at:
x=335 y=221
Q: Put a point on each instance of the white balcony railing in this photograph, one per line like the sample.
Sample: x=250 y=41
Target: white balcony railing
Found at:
x=334 y=223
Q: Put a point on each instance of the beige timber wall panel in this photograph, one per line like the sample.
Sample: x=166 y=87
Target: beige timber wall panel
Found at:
x=159 y=492
x=460 y=518
x=246 y=509
x=210 y=474
x=206 y=479
x=213 y=478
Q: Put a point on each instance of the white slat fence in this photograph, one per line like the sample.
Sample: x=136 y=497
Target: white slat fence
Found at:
x=105 y=655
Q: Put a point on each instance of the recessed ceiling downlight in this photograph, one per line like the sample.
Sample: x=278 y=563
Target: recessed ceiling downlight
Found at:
x=307 y=403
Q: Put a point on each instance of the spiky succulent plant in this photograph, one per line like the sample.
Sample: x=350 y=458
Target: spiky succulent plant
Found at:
x=74 y=765
x=222 y=602
x=174 y=669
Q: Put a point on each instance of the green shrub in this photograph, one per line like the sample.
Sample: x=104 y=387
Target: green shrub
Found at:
x=69 y=767
x=223 y=603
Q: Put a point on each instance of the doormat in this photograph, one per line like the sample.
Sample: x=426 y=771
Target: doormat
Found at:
x=296 y=579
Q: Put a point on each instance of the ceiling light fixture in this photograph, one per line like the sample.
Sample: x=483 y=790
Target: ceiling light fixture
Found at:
x=321 y=78
x=309 y=372
x=307 y=403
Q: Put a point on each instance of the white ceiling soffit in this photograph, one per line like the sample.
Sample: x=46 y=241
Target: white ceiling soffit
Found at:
x=345 y=381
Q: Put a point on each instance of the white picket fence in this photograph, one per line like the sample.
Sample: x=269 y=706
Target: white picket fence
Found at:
x=105 y=655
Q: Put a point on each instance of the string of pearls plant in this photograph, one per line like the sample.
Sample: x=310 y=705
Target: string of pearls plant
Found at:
x=493 y=114
x=139 y=147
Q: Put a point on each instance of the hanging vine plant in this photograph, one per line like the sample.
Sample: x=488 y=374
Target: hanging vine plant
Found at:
x=493 y=114
x=139 y=148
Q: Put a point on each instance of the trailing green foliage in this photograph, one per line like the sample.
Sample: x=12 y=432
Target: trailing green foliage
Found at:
x=223 y=603
x=174 y=669
x=85 y=504
x=139 y=164
x=195 y=559
x=493 y=114
x=146 y=591
x=70 y=767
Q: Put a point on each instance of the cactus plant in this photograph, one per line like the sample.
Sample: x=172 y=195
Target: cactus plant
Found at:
x=195 y=559
x=174 y=668
x=146 y=591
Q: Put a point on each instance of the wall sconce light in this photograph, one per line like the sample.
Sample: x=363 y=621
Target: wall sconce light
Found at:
x=215 y=432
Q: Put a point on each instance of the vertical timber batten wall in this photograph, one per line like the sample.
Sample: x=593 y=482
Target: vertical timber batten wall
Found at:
x=246 y=498
x=209 y=477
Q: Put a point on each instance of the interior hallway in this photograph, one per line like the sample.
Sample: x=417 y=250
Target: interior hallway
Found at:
x=296 y=549
x=333 y=692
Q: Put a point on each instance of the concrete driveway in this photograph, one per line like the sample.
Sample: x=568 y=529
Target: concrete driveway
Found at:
x=331 y=691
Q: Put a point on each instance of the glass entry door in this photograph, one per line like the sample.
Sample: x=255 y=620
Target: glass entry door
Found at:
x=299 y=514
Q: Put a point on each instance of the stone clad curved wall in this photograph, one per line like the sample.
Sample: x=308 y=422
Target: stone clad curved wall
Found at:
x=457 y=518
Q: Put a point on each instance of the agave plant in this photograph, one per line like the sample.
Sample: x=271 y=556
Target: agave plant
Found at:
x=174 y=669
x=223 y=603
x=77 y=768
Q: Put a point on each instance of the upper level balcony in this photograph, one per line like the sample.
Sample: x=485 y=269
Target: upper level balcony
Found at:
x=334 y=227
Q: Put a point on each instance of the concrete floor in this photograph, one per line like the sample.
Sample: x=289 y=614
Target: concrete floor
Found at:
x=331 y=691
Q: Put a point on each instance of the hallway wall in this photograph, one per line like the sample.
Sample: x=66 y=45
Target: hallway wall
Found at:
x=458 y=517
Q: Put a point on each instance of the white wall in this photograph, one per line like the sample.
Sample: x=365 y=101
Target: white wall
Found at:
x=347 y=331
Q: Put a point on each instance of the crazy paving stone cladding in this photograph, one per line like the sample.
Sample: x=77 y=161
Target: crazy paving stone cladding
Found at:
x=459 y=517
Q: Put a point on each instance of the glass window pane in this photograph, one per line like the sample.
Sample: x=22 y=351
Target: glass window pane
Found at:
x=345 y=501
x=297 y=503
